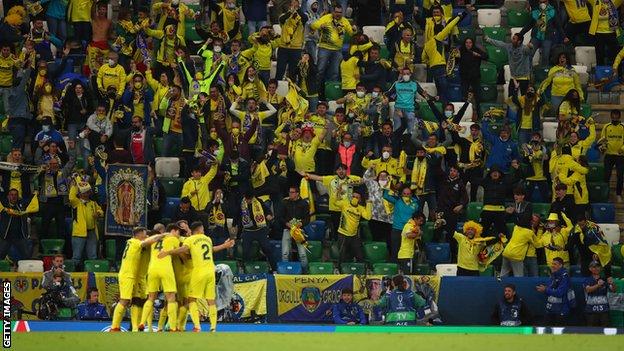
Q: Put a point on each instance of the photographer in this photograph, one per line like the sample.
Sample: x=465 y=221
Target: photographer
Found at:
x=58 y=266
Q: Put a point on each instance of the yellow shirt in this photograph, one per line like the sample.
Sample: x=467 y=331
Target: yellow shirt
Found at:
x=614 y=135
x=169 y=242
x=406 y=250
x=303 y=154
x=111 y=76
x=433 y=52
x=537 y=162
x=131 y=258
x=468 y=251
x=563 y=80
x=80 y=10
x=391 y=165
x=526 y=120
x=554 y=243
x=577 y=11
x=351 y=215
x=160 y=91
x=6 y=70
x=517 y=248
x=603 y=22
x=331 y=31
x=333 y=183
x=200 y=199
x=200 y=247
x=350 y=73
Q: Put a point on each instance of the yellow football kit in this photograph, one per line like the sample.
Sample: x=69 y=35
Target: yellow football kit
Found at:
x=202 y=283
x=160 y=271
x=140 y=281
x=129 y=265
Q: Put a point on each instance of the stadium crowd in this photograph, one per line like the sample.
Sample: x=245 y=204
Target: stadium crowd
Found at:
x=368 y=128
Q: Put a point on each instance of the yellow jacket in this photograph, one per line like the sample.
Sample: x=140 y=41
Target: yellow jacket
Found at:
x=391 y=166
x=433 y=51
x=519 y=244
x=6 y=70
x=560 y=165
x=80 y=211
x=537 y=163
x=596 y=8
x=563 y=79
x=581 y=147
x=350 y=73
x=262 y=52
x=160 y=91
x=200 y=199
x=166 y=50
x=111 y=76
x=468 y=252
x=555 y=243
x=79 y=10
x=578 y=183
x=332 y=32
x=614 y=135
x=292 y=30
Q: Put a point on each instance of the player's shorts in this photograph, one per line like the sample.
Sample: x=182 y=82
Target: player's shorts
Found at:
x=140 y=288
x=183 y=288
x=161 y=278
x=126 y=287
x=202 y=285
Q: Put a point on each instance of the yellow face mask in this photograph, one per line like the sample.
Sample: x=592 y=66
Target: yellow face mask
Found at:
x=437 y=19
x=48 y=89
x=235 y=131
x=138 y=85
x=213 y=135
x=43 y=72
x=354 y=202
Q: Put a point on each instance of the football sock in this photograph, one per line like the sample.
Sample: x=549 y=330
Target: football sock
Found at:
x=182 y=314
x=172 y=311
x=212 y=314
x=147 y=316
x=135 y=315
x=118 y=314
x=194 y=314
x=162 y=319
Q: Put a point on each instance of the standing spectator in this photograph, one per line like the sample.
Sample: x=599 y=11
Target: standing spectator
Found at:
x=141 y=142
x=349 y=239
x=387 y=137
x=395 y=30
x=110 y=75
x=578 y=22
x=517 y=248
x=79 y=16
x=411 y=233
x=471 y=157
x=452 y=202
x=92 y=309
x=217 y=213
x=346 y=311
x=254 y=217
x=520 y=211
x=16 y=104
x=596 y=301
x=530 y=260
x=381 y=221
x=197 y=190
x=296 y=213
x=546 y=28
x=558 y=304
x=289 y=52
x=495 y=189
x=592 y=245
x=255 y=14
x=405 y=205
x=561 y=78
x=520 y=60
x=503 y=150
x=8 y=62
x=332 y=29
x=77 y=107
x=469 y=246
x=511 y=310
x=16 y=179
x=603 y=29
x=535 y=154
x=56 y=16
x=54 y=183
x=172 y=123
x=611 y=143
x=185 y=212
x=555 y=238
x=85 y=214
x=563 y=203
x=470 y=69
x=404 y=107
x=14 y=223
x=313 y=12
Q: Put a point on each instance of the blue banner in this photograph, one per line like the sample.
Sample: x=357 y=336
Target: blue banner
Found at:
x=126 y=195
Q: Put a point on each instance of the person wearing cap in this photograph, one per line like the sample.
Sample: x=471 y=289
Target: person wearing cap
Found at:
x=555 y=237
x=596 y=300
x=511 y=310
x=85 y=214
x=557 y=294
x=471 y=157
x=346 y=311
x=592 y=245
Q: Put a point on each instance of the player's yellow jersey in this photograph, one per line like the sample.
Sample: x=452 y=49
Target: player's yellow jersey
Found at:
x=169 y=242
x=131 y=258
x=200 y=247
x=143 y=263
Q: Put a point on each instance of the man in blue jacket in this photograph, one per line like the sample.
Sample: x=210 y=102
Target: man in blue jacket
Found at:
x=503 y=149
x=557 y=300
x=92 y=309
x=346 y=311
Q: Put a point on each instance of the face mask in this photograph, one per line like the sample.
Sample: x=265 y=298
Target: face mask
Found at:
x=43 y=72
x=383 y=183
x=354 y=202
x=420 y=158
x=351 y=114
x=231 y=6
x=346 y=143
x=360 y=94
x=45 y=128
x=138 y=86
x=235 y=131
x=213 y=135
x=406 y=77
x=111 y=62
x=406 y=198
x=385 y=155
x=216 y=49
x=101 y=115
x=448 y=114
x=375 y=94
x=251 y=79
x=437 y=18
x=542 y=6
x=48 y=89
x=530 y=94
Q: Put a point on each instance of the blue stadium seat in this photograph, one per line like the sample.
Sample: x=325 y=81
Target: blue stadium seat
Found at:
x=575 y=271
x=603 y=213
x=593 y=154
x=276 y=249
x=536 y=194
x=438 y=253
x=171 y=205
x=289 y=268
x=315 y=230
x=455 y=93
x=602 y=72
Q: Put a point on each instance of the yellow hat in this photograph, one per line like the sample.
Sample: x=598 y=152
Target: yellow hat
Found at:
x=553 y=217
x=17 y=10
x=14 y=19
x=474 y=225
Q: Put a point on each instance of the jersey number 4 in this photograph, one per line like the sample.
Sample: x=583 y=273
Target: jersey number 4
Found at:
x=159 y=245
x=206 y=251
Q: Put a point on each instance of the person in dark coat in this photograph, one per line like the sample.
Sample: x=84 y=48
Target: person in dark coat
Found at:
x=470 y=68
x=563 y=202
x=452 y=202
x=511 y=310
x=346 y=311
x=185 y=212
x=140 y=142
x=190 y=134
x=496 y=186
x=14 y=224
x=369 y=12
x=374 y=72
x=295 y=209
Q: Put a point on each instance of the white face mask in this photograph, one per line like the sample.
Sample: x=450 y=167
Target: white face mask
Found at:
x=406 y=77
x=385 y=155
x=351 y=114
x=374 y=94
x=251 y=79
x=45 y=129
x=360 y=94
x=383 y=183
x=448 y=114
x=216 y=49
x=346 y=143
x=542 y=6
x=111 y=62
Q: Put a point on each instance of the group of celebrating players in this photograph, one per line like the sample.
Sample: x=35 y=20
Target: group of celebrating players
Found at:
x=179 y=263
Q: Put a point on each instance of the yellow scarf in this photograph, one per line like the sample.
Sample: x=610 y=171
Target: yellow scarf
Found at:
x=259 y=175
x=438 y=149
x=217 y=217
x=419 y=173
x=256 y=211
x=475 y=149
x=306 y=193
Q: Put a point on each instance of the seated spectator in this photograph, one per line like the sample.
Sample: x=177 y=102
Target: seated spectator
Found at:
x=596 y=301
x=401 y=304
x=557 y=294
x=99 y=128
x=347 y=311
x=92 y=309
x=185 y=211
x=60 y=294
x=511 y=310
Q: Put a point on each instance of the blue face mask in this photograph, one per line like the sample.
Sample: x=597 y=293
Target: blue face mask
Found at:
x=448 y=114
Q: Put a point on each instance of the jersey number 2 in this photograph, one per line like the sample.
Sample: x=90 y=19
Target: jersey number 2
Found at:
x=206 y=251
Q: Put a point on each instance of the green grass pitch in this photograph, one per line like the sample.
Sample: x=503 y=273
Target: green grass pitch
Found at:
x=88 y=341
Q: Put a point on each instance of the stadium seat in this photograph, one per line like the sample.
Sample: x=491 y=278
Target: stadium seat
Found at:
x=575 y=271
x=468 y=114
x=173 y=186
x=110 y=246
x=96 y=266
x=586 y=110
x=489 y=17
x=425 y=113
x=321 y=268
x=518 y=18
x=489 y=93
x=276 y=249
x=544 y=270
x=549 y=132
x=70 y=266
x=5 y=266
x=473 y=212
x=598 y=192
x=387 y=269
x=277 y=29
x=292 y=268
x=375 y=252
x=420 y=72
x=507 y=73
x=315 y=249
x=334 y=251
x=52 y=246
x=541 y=209
x=488 y=272
x=497 y=56
x=315 y=230
x=254 y=254
x=422 y=269
x=375 y=33
x=428 y=232
x=158 y=146
x=455 y=92
x=190 y=34
x=65 y=313
x=540 y=73
x=282 y=87
x=333 y=90
x=496 y=33
x=466 y=21
x=617 y=272
x=365 y=232
x=257 y=267
x=603 y=212
x=438 y=253
x=273 y=70
x=466 y=32
x=24 y=266
x=357 y=268
x=616 y=254
x=515 y=5
x=446 y=270
x=332 y=105
x=581 y=68
x=585 y=55
x=510 y=227
x=489 y=73
x=596 y=173
x=232 y=264
x=384 y=52
x=167 y=167
x=171 y=206
x=611 y=232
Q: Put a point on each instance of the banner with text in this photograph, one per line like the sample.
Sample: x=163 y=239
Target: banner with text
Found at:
x=250 y=294
x=26 y=291
x=108 y=286
x=127 y=198
x=309 y=298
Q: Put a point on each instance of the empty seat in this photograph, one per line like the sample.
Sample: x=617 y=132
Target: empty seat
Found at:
x=515 y=5
x=353 y=268
x=428 y=232
x=5 y=266
x=24 y=266
x=518 y=18
x=232 y=264
x=455 y=92
x=388 y=269
x=580 y=68
x=420 y=72
x=425 y=113
x=473 y=212
x=489 y=93
x=96 y=266
x=375 y=33
x=489 y=74
x=466 y=32
x=110 y=249
x=365 y=232
x=585 y=55
x=52 y=246
x=596 y=172
x=549 y=131
x=333 y=90
x=158 y=146
x=611 y=232
x=438 y=253
x=446 y=270
x=332 y=105
x=466 y=21
x=497 y=56
x=497 y=33
x=315 y=230
x=603 y=212
x=375 y=252
x=489 y=17
x=276 y=249
x=167 y=167
x=468 y=114
x=289 y=268
x=542 y=209
x=321 y=268
x=422 y=269
x=282 y=87
x=257 y=267
x=171 y=206
x=173 y=186
x=616 y=254
x=598 y=192
x=315 y=250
